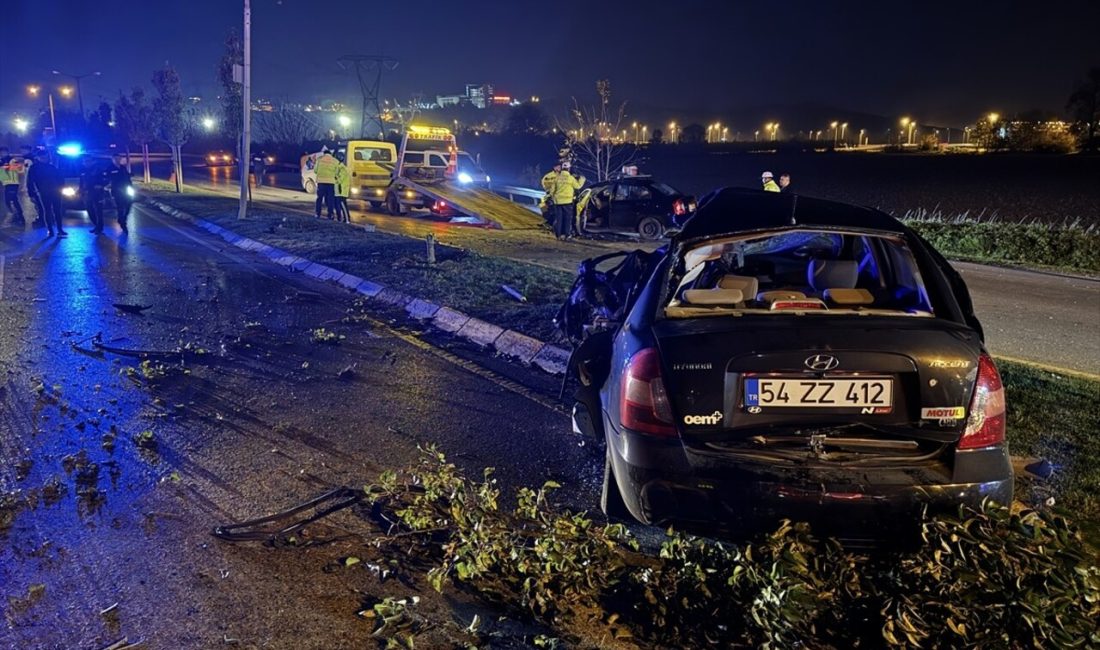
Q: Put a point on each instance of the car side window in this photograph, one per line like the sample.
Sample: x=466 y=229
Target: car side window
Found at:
x=437 y=161
x=622 y=191
x=631 y=192
x=414 y=159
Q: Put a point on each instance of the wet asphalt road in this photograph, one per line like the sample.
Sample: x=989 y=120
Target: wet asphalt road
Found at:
x=1044 y=318
x=107 y=514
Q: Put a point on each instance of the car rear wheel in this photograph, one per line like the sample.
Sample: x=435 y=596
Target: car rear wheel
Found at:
x=393 y=206
x=650 y=228
x=311 y=186
x=611 y=500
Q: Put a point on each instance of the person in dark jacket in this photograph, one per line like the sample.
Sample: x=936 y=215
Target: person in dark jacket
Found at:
x=47 y=182
x=93 y=184
x=785 y=183
x=27 y=152
x=121 y=189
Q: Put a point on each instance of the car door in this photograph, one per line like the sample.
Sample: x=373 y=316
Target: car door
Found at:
x=622 y=214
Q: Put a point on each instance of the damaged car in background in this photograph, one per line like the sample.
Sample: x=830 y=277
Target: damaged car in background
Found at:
x=786 y=357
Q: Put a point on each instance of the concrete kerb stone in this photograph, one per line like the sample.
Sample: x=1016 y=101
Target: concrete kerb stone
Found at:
x=369 y=289
x=449 y=320
x=480 y=332
x=518 y=346
x=421 y=309
x=349 y=281
x=393 y=297
x=315 y=270
x=549 y=358
x=552 y=359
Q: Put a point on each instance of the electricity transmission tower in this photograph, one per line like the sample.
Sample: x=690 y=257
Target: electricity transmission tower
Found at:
x=368 y=69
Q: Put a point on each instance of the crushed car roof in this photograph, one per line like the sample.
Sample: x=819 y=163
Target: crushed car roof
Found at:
x=732 y=210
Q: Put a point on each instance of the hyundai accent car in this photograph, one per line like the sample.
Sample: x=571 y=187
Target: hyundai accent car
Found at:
x=786 y=357
x=638 y=205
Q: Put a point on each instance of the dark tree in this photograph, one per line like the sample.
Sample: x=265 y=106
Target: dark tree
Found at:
x=526 y=118
x=693 y=134
x=658 y=137
x=134 y=118
x=232 y=121
x=173 y=124
x=1084 y=106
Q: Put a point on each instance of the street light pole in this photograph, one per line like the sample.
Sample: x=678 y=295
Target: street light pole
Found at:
x=77 y=78
x=246 y=103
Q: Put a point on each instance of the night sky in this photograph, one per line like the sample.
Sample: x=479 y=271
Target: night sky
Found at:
x=944 y=61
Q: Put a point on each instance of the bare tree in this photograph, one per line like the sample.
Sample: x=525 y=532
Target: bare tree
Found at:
x=173 y=121
x=135 y=120
x=590 y=136
x=287 y=124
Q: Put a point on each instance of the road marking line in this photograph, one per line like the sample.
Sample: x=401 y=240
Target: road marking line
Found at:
x=1049 y=368
x=3 y=258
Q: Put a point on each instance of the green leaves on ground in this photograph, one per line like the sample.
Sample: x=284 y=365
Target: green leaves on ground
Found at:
x=988 y=578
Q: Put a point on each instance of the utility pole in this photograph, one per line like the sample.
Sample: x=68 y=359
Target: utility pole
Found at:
x=246 y=101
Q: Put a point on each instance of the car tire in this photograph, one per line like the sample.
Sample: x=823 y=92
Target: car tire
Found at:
x=611 y=500
x=311 y=186
x=650 y=228
x=393 y=205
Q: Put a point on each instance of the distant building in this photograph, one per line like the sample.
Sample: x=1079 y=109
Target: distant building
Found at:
x=451 y=100
x=479 y=94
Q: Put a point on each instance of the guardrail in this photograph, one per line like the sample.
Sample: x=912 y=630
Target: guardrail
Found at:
x=525 y=196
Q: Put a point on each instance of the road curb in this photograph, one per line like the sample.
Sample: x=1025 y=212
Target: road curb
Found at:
x=527 y=350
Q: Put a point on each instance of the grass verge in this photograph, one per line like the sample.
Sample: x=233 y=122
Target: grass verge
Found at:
x=459 y=279
x=1056 y=418
x=1067 y=246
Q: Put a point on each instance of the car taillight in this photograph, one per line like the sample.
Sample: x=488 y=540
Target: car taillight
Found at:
x=440 y=205
x=678 y=208
x=986 y=424
x=643 y=404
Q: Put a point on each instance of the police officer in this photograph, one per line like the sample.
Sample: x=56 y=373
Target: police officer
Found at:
x=93 y=183
x=11 y=171
x=325 y=169
x=259 y=167
x=768 y=180
x=343 y=188
x=561 y=187
x=47 y=182
x=121 y=189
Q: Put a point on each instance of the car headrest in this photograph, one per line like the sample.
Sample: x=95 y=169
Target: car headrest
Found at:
x=832 y=274
x=746 y=283
x=729 y=297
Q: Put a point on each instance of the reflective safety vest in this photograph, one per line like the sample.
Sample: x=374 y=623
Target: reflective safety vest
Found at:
x=561 y=187
x=325 y=168
x=9 y=174
x=770 y=186
x=343 y=180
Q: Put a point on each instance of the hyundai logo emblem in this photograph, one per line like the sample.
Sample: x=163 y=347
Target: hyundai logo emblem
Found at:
x=822 y=362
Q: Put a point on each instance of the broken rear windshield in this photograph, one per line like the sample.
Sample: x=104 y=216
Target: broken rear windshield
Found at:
x=800 y=271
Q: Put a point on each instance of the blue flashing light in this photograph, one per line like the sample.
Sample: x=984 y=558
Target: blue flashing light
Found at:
x=463 y=177
x=70 y=149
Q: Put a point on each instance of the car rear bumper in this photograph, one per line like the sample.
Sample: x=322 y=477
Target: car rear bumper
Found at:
x=661 y=485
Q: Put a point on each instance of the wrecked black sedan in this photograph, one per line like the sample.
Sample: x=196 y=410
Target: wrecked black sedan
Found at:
x=786 y=357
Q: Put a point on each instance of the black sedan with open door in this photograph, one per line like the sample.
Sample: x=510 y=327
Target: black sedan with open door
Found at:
x=786 y=357
x=638 y=205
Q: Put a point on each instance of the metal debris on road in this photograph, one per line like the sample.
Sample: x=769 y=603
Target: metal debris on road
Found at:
x=131 y=309
x=512 y=292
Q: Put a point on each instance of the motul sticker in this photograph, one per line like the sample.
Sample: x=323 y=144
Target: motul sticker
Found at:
x=943 y=413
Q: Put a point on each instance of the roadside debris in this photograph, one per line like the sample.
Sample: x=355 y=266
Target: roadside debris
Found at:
x=321 y=335
x=131 y=309
x=512 y=292
x=349 y=373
